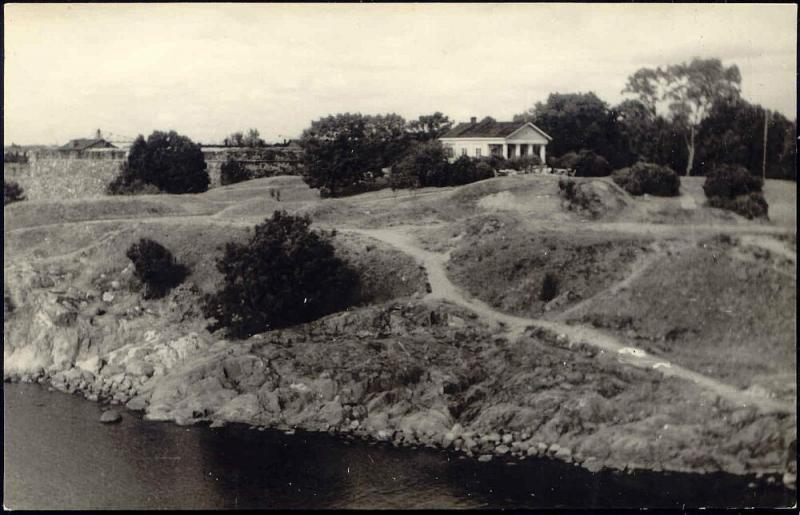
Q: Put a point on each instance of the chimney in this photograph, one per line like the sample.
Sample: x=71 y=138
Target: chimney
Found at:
x=473 y=120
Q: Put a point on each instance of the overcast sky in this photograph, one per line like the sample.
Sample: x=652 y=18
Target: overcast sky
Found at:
x=207 y=70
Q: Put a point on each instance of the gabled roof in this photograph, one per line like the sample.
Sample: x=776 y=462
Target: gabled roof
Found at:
x=489 y=129
x=86 y=143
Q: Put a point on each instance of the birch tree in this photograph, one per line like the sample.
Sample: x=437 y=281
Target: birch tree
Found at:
x=687 y=93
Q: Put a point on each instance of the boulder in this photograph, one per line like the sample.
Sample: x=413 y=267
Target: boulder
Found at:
x=110 y=417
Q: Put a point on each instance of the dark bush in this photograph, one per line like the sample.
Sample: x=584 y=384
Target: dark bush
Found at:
x=734 y=188
x=648 y=178
x=524 y=164
x=752 y=205
x=567 y=188
x=166 y=160
x=729 y=181
x=126 y=183
x=285 y=275
x=465 y=170
x=156 y=267
x=579 y=197
x=549 y=287
x=232 y=172
x=12 y=192
x=587 y=163
x=423 y=164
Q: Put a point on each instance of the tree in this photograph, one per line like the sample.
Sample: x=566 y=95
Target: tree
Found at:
x=156 y=267
x=424 y=164
x=688 y=92
x=232 y=172
x=578 y=121
x=343 y=153
x=285 y=275
x=170 y=162
x=429 y=127
x=648 y=136
x=239 y=139
x=733 y=133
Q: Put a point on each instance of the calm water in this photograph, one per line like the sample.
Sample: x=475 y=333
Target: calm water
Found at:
x=57 y=455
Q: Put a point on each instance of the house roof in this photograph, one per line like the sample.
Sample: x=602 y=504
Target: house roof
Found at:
x=85 y=143
x=488 y=129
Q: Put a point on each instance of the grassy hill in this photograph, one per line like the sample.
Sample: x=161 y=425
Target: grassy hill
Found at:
x=666 y=313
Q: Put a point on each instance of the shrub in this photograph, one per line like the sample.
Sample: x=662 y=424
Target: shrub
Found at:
x=424 y=164
x=549 y=287
x=126 y=183
x=465 y=170
x=751 y=205
x=166 y=160
x=232 y=172
x=734 y=188
x=648 y=178
x=156 y=267
x=729 y=181
x=587 y=163
x=579 y=197
x=12 y=192
x=524 y=164
x=285 y=275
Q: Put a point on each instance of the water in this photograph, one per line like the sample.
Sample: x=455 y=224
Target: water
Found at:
x=57 y=455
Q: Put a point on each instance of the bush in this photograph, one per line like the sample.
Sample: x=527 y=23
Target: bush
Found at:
x=579 y=197
x=126 y=183
x=232 y=172
x=734 y=188
x=12 y=192
x=166 y=160
x=285 y=275
x=424 y=164
x=524 y=164
x=648 y=178
x=729 y=181
x=549 y=287
x=156 y=267
x=587 y=163
x=465 y=170
x=751 y=205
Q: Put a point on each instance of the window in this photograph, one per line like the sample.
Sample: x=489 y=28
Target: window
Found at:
x=448 y=150
x=477 y=152
x=463 y=151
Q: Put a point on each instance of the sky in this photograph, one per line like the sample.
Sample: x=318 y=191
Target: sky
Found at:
x=207 y=70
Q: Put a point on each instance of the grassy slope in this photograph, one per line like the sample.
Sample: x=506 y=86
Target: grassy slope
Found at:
x=501 y=253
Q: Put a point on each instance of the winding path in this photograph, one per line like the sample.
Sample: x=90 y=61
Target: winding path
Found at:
x=443 y=289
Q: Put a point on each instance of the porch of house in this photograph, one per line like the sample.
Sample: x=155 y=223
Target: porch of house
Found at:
x=518 y=150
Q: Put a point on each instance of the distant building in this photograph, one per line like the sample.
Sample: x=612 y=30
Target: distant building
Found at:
x=491 y=138
x=84 y=144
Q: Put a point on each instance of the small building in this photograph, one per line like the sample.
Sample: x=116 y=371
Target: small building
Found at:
x=510 y=140
x=84 y=144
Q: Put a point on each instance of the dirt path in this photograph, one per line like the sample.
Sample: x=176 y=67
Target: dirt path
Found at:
x=443 y=289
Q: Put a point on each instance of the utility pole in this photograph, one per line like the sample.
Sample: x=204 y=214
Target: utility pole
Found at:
x=764 y=157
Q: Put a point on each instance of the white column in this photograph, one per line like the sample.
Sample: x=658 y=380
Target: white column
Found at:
x=542 y=154
x=516 y=150
x=505 y=150
x=531 y=150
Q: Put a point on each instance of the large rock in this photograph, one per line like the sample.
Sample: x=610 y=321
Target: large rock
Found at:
x=430 y=422
x=110 y=417
x=246 y=373
x=244 y=408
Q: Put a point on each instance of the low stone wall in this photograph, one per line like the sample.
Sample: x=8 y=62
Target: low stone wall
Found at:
x=260 y=162
x=53 y=175
x=54 y=178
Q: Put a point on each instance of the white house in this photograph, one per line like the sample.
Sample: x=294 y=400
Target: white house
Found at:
x=490 y=138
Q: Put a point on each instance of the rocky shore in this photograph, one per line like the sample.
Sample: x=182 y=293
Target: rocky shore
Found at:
x=410 y=371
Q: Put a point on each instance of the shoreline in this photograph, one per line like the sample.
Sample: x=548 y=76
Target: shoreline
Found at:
x=502 y=447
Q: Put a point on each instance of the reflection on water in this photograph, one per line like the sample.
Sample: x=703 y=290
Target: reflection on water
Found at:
x=57 y=455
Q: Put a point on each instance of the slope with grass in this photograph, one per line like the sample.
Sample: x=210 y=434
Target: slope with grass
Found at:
x=669 y=342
